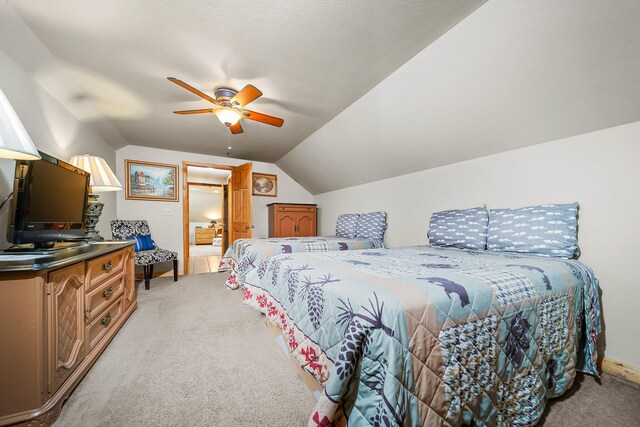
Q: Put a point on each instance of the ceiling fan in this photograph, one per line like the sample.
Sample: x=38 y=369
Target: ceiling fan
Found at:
x=229 y=105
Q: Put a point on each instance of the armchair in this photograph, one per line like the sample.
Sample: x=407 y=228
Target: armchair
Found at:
x=129 y=230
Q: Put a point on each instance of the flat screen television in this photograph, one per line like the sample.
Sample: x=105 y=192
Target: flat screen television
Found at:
x=49 y=202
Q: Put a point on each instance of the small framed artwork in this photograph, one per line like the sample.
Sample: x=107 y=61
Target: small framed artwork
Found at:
x=265 y=184
x=151 y=181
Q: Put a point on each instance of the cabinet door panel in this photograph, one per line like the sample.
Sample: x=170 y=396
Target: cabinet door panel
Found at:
x=66 y=339
x=306 y=224
x=129 y=282
x=286 y=225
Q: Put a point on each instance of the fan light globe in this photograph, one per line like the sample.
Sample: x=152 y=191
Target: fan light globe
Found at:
x=227 y=116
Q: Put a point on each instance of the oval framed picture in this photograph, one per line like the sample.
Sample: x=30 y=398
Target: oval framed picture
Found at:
x=265 y=184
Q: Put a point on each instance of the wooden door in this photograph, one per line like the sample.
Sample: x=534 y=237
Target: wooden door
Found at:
x=66 y=321
x=225 y=217
x=306 y=224
x=241 y=220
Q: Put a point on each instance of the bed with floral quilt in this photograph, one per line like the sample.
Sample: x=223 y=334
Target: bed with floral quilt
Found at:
x=432 y=336
x=246 y=255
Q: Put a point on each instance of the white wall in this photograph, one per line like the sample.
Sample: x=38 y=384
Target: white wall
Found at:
x=600 y=170
x=53 y=130
x=167 y=230
x=205 y=203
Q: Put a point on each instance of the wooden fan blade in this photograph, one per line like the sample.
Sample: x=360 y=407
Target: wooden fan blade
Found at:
x=192 y=89
x=263 y=118
x=249 y=94
x=237 y=128
x=203 y=111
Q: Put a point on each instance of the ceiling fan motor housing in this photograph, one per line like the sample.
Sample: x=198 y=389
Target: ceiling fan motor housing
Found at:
x=224 y=93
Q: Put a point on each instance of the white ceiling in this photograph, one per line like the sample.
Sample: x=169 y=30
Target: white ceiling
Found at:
x=208 y=175
x=310 y=59
x=512 y=74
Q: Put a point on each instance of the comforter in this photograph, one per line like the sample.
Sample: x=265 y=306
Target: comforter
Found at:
x=246 y=255
x=432 y=336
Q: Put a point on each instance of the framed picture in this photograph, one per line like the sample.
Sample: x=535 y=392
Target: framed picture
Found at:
x=151 y=181
x=265 y=184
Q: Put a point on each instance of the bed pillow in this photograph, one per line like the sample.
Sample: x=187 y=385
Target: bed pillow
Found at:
x=460 y=228
x=346 y=225
x=142 y=242
x=371 y=225
x=547 y=230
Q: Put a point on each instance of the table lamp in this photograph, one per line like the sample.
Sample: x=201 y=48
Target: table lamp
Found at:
x=15 y=142
x=102 y=180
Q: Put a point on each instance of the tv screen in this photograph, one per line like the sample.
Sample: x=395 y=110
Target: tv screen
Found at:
x=49 y=202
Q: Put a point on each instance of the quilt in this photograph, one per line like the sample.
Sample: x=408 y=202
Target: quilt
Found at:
x=432 y=336
x=246 y=255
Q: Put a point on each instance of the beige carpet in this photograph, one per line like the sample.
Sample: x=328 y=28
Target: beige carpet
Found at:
x=193 y=355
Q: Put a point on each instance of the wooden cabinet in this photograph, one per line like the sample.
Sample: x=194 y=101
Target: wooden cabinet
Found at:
x=292 y=220
x=204 y=236
x=54 y=323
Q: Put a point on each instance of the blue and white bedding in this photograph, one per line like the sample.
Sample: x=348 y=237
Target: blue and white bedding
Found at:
x=432 y=336
x=246 y=255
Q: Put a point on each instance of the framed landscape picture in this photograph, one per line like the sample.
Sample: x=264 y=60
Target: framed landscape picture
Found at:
x=265 y=184
x=151 y=181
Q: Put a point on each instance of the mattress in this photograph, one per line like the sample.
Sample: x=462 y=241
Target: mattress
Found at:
x=247 y=255
x=432 y=336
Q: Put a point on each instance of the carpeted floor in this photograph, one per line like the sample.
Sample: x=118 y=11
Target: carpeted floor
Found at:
x=193 y=355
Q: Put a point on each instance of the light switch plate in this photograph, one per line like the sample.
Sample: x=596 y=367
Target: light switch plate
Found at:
x=166 y=211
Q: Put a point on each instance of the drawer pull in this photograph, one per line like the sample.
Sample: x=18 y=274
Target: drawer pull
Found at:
x=106 y=320
x=107 y=294
x=107 y=266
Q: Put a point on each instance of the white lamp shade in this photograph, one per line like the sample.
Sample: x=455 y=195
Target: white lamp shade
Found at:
x=227 y=116
x=15 y=142
x=102 y=178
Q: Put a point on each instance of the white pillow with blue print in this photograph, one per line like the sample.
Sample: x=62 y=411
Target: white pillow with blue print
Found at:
x=346 y=225
x=459 y=228
x=546 y=230
x=371 y=225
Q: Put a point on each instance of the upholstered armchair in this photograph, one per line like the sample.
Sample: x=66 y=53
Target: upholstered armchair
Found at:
x=147 y=253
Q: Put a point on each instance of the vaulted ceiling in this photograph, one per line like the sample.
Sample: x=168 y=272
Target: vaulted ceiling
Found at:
x=368 y=90
x=310 y=59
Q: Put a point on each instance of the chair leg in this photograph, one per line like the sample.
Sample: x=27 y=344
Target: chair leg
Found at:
x=147 y=276
x=151 y=271
x=175 y=270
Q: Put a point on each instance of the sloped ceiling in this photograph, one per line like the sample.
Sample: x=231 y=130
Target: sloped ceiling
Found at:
x=512 y=74
x=310 y=59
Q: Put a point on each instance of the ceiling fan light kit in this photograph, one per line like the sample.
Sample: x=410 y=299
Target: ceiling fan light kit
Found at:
x=229 y=103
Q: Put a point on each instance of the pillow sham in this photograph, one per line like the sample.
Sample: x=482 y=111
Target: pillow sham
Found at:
x=142 y=242
x=371 y=225
x=346 y=225
x=546 y=230
x=460 y=228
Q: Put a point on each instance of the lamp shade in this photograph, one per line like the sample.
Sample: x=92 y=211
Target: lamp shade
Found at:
x=102 y=178
x=15 y=142
x=227 y=116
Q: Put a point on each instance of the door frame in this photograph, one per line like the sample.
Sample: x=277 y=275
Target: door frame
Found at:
x=185 y=206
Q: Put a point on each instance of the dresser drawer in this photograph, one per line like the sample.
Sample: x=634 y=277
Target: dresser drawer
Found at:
x=294 y=208
x=99 y=298
x=103 y=324
x=103 y=268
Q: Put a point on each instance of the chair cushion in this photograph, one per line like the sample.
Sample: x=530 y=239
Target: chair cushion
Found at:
x=154 y=256
x=371 y=225
x=546 y=230
x=346 y=225
x=142 y=242
x=460 y=228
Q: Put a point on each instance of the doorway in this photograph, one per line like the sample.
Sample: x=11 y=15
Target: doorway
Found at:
x=216 y=204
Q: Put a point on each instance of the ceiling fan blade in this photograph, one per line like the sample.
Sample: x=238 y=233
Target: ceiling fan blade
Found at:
x=263 y=118
x=203 y=111
x=192 y=89
x=249 y=94
x=236 y=129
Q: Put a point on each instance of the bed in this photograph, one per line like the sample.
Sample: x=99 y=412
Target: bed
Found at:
x=247 y=255
x=429 y=335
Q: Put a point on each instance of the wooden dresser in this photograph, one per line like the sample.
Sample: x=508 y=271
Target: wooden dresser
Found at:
x=58 y=312
x=292 y=220
x=204 y=236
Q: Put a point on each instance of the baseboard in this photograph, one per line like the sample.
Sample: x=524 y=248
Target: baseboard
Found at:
x=620 y=369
